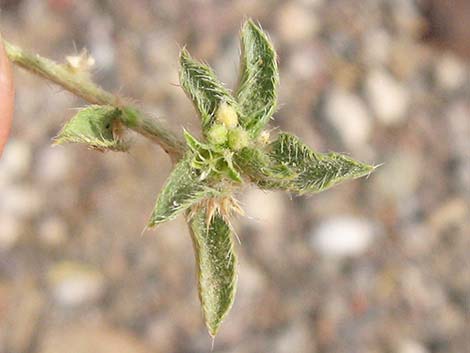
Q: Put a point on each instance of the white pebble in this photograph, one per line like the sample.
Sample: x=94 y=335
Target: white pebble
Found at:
x=294 y=338
x=376 y=46
x=10 y=232
x=296 y=23
x=101 y=41
x=348 y=114
x=388 y=98
x=411 y=347
x=74 y=284
x=306 y=63
x=15 y=161
x=52 y=231
x=261 y=206
x=20 y=201
x=400 y=176
x=53 y=164
x=451 y=73
x=342 y=236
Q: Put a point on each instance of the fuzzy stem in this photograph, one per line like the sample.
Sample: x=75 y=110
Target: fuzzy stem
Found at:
x=83 y=87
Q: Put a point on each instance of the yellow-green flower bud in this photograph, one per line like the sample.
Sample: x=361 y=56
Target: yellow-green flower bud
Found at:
x=217 y=134
x=263 y=138
x=226 y=115
x=237 y=139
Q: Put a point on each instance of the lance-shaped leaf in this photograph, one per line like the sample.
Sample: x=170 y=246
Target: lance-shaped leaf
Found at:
x=203 y=88
x=216 y=265
x=263 y=170
x=316 y=171
x=96 y=126
x=183 y=189
x=259 y=79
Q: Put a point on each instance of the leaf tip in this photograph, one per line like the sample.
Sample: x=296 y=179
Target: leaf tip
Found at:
x=250 y=24
x=213 y=331
x=184 y=54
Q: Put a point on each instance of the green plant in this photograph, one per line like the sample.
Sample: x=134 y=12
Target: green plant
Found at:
x=235 y=149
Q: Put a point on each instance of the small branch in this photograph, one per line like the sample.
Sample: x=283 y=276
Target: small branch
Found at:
x=83 y=87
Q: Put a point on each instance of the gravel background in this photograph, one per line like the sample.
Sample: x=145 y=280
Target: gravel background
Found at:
x=375 y=265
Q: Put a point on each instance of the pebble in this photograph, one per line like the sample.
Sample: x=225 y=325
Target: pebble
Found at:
x=21 y=201
x=295 y=23
x=307 y=63
x=10 y=232
x=52 y=231
x=376 y=46
x=410 y=346
x=388 y=98
x=399 y=176
x=349 y=116
x=101 y=42
x=53 y=164
x=295 y=338
x=74 y=283
x=342 y=236
x=262 y=206
x=451 y=73
x=15 y=162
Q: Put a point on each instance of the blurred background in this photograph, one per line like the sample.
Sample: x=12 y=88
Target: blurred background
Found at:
x=374 y=265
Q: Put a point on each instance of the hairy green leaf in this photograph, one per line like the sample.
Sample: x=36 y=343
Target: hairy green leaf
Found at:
x=263 y=170
x=259 y=79
x=232 y=172
x=316 y=171
x=193 y=144
x=216 y=266
x=183 y=189
x=203 y=88
x=96 y=126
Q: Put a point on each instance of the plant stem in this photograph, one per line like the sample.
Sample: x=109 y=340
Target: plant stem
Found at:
x=83 y=87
